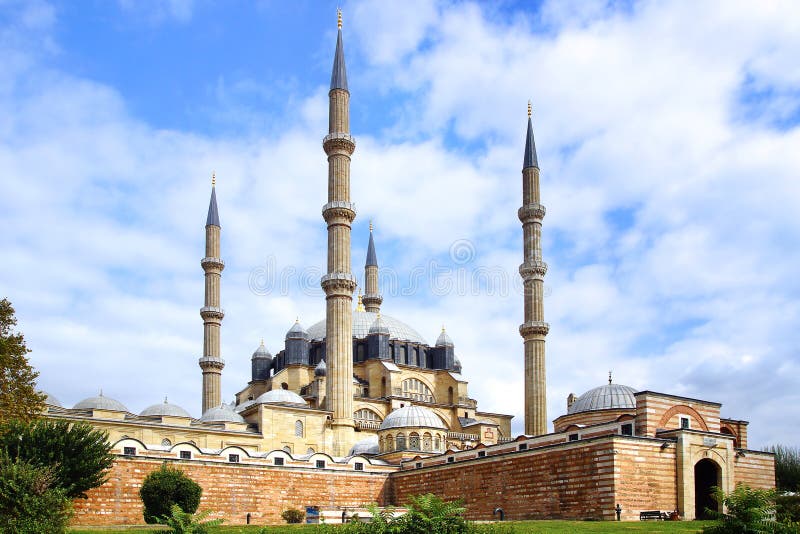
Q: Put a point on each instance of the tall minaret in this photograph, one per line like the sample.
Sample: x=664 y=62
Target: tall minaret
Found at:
x=212 y=363
x=339 y=283
x=372 y=298
x=533 y=269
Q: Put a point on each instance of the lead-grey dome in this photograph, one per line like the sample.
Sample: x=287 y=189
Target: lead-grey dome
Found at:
x=605 y=397
x=165 y=409
x=261 y=352
x=366 y=446
x=321 y=369
x=100 y=403
x=444 y=339
x=412 y=416
x=363 y=320
x=221 y=414
x=281 y=396
x=50 y=399
x=297 y=331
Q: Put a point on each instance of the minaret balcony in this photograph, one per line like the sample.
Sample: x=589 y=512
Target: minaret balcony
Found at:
x=212 y=263
x=339 y=142
x=533 y=269
x=338 y=284
x=534 y=328
x=339 y=210
x=211 y=363
x=531 y=212
x=212 y=312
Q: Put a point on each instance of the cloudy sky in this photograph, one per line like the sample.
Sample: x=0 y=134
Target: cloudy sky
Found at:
x=668 y=141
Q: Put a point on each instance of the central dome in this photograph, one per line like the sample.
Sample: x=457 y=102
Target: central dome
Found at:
x=362 y=320
x=605 y=397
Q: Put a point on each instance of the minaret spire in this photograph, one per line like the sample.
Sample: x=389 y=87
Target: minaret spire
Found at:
x=339 y=283
x=212 y=363
x=372 y=297
x=533 y=329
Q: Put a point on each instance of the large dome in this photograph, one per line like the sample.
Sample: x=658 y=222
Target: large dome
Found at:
x=606 y=397
x=412 y=416
x=362 y=320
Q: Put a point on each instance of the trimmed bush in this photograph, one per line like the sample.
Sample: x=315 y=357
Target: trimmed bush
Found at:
x=293 y=515
x=167 y=486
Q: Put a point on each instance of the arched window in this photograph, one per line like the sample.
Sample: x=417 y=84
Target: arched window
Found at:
x=284 y=385
x=417 y=390
x=437 y=443
x=360 y=353
x=287 y=449
x=380 y=445
x=450 y=395
x=310 y=450
x=401 y=442
x=298 y=429
x=413 y=441
x=383 y=387
x=426 y=442
x=365 y=414
x=166 y=443
x=389 y=443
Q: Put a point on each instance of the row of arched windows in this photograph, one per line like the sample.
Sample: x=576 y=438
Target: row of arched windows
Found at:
x=426 y=442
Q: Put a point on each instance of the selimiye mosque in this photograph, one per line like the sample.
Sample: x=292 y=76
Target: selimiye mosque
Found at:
x=361 y=392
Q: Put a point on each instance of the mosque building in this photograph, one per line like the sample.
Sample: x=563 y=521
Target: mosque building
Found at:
x=360 y=408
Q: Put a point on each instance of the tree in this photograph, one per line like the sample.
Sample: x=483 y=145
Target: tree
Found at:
x=165 y=487
x=79 y=454
x=787 y=467
x=18 y=396
x=29 y=503
x=749 y=510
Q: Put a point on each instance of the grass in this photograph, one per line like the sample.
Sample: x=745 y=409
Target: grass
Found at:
x=521 y=527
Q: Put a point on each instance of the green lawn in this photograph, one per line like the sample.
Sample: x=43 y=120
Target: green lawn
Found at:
x=521 y=527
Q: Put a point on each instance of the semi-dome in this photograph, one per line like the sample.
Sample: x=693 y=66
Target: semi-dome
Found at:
x=165 y=409
x=50 y=399
x=221 y=414
x=365 y=446
x=281 y=396
x=363 y=320
x=321 y=369
x=262 y=352
x=297 y=331
x=412 y=416
x=606 y=397
x=100 y=403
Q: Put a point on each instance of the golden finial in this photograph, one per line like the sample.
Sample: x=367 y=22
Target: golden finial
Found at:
x=370 y=225
x=262 y=341
x=213 y=178
x=360 y=306
x=339 y=18
x=530 y=108
x=297 y=320
x=442 y=329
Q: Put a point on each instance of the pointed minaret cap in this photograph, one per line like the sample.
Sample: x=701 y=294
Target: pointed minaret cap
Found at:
x=339 y=74
x=531 y=160
x=213 y=212
x=372 y=258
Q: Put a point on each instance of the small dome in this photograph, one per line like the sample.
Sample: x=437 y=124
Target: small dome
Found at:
x=412 y=416
x=321 y=369
x=261 y=352
x=606 y=397
x=457 y=365
x=165 y=409
x=50 y=399
x=366 y=446
x=221 y=414
x=378 y=326
x=281 y=396
x=100 y=403
x=444 y=339
x=297 y=331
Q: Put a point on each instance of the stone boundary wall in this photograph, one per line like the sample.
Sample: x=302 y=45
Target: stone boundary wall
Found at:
x=755 y=468
x=231 y=491
x=645 y=476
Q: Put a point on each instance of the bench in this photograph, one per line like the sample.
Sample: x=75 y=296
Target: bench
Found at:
x=653 y=515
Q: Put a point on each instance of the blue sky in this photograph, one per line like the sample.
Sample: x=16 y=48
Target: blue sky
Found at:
x=667 y=135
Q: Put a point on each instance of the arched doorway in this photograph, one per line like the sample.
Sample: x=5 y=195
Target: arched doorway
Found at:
x=706 y=475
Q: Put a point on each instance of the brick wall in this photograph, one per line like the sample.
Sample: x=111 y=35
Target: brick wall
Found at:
x=645 y=477
x=756 y=469
x=656 y=411
x=231 y=491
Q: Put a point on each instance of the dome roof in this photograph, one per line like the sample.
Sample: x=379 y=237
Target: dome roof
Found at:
x=281 y=396
x=261 y=352
x=50 y=399
x=378 y=326
x=606 y=397
x=456 y=365
x=362 y=320
x=321 y=369
x=443 y=339
x=365 y=446
x=221 y=414
x=297 y=331
x=412 y=416
x=165 y=408
x=100 y=403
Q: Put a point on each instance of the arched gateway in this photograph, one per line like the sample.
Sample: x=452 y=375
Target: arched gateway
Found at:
x=707 y=474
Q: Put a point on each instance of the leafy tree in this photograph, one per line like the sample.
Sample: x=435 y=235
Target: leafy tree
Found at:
x=166 y=487
x=749 y=511
x=188 y=523
x=78 y=453
x=787 y=467
x=29 y=503
x=18 y=396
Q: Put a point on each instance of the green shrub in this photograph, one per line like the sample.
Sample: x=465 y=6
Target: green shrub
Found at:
x=78 y=453
x=181 y=522
x=293 y=515
x=29 y=504
x=166 y=487
x=749 y=510
x=787 y=508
